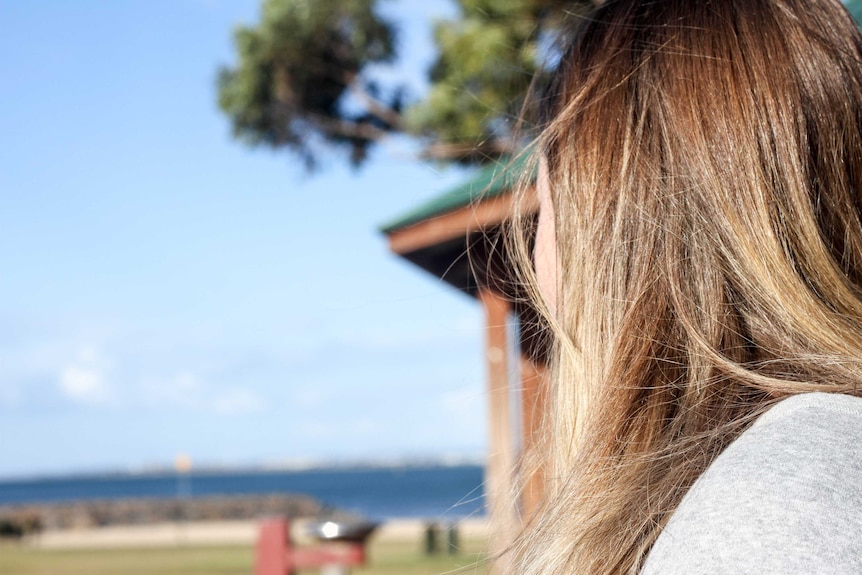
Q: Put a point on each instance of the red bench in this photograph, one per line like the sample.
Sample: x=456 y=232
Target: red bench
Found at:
x=278 y=555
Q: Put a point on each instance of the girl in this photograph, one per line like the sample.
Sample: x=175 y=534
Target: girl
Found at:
x=699 y=260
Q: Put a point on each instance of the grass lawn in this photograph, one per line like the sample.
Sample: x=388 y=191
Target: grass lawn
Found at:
x=173 y=561
x=386 y=558
x=407 y=559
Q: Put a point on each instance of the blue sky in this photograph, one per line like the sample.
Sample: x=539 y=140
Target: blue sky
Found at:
x=166 y=290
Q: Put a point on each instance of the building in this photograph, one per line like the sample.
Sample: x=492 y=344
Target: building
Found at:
x=458 y=238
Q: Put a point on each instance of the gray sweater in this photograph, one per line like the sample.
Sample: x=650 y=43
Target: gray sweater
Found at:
x=785 y=497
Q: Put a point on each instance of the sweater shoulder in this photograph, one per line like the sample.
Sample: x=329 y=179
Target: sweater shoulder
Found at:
x=786 y=496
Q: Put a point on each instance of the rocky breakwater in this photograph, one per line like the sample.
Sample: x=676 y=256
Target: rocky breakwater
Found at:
x=20 y=520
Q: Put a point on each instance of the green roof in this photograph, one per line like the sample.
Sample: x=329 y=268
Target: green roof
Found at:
x=489 y=181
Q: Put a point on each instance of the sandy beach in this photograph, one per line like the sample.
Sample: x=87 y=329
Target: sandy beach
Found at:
x=214 y=533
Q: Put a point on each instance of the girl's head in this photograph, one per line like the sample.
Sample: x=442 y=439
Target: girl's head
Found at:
x=700 y=250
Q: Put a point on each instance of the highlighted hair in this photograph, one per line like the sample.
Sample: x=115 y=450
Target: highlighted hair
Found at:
x=705 y=167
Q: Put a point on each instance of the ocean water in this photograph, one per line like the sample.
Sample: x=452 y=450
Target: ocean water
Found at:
x=432 y=492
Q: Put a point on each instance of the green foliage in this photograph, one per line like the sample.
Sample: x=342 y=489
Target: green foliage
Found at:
x=294 y=70
x=487 y=60
x=301 y=80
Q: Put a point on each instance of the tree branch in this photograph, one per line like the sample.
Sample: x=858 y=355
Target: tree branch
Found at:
x=329 y=125
x=454 y=151
x=349 y=129
x=378 y=108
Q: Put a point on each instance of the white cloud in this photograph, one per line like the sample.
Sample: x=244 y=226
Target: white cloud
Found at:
x=82 y=383
x=83 y=380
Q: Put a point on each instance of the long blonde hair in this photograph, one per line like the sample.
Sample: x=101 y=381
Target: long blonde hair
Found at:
x=705 y=167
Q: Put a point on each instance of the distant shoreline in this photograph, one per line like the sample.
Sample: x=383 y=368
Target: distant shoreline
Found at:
x=277 y=467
